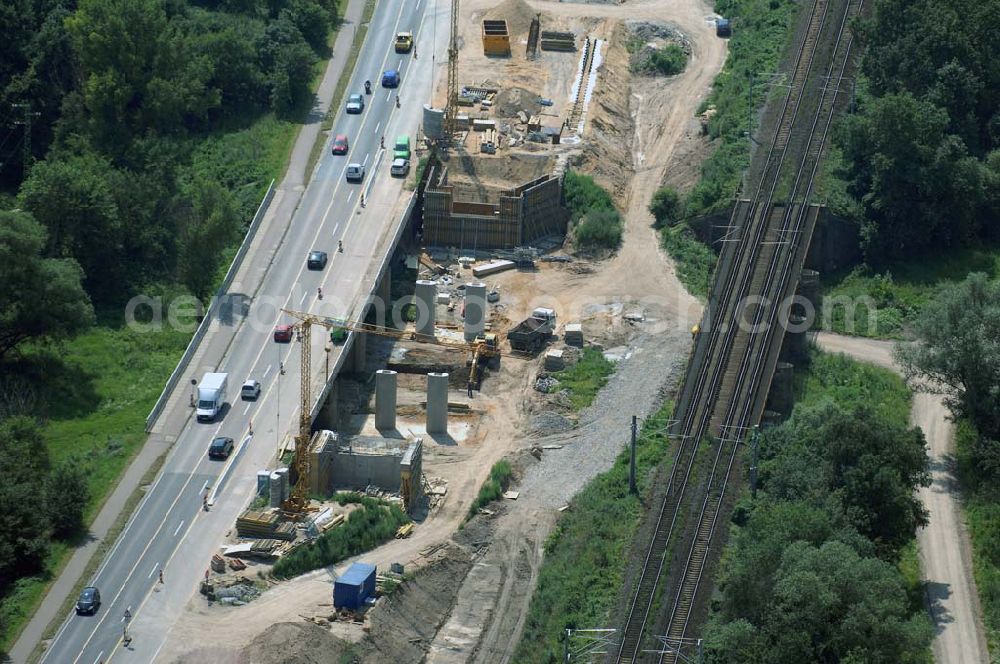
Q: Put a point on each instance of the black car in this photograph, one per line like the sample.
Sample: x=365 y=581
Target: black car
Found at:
x=89 y=602
x=220 y=448
x=316 y=260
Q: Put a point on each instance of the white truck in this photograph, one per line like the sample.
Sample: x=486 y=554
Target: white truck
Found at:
x=211 y=395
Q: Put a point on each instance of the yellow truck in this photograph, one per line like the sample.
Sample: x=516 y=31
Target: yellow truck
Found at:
x=404 y=42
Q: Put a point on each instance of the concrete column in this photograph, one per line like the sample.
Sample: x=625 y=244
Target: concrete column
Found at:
x=424 y=298
x=385 y=400
x=437 y=403
x=781 y=397
x=327 y=418
x=384 y=291
x=475 y=309
x=358 y=351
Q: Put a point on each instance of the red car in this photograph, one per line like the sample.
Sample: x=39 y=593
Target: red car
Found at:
x=340 y=144
x=282 y=333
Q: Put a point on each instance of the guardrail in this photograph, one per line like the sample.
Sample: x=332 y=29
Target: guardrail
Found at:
x=213 y=307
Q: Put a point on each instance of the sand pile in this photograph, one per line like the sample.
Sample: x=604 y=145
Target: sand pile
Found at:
x=518 y=15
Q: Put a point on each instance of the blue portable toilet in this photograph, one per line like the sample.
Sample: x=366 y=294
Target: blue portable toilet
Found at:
x=354 y=586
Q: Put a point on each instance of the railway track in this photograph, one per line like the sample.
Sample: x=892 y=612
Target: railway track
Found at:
x=719 y=395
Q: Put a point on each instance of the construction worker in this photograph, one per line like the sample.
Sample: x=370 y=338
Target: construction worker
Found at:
x=161 y=576
x=381 y=142
x=397 y=101
x=695 y=331
x=340 y=246
x=319 y=292
x=470 y=389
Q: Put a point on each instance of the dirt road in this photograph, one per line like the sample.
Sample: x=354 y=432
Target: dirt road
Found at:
x=945 y=553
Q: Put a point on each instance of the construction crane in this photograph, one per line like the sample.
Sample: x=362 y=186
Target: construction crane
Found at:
x=451 y=106
x=298 y=500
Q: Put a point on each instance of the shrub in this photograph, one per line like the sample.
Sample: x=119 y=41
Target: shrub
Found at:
x=668 y=60
x=366 y=527
x=598 y=229
x=584 y=195
x=695 y=260
x=666 y=207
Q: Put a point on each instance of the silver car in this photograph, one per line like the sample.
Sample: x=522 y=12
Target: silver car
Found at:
x=355 y=104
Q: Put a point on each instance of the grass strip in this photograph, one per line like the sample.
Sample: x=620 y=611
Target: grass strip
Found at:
x=586 y=377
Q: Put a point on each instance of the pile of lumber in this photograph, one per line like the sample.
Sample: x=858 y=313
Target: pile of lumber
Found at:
x=218 y=564
x=405 y=530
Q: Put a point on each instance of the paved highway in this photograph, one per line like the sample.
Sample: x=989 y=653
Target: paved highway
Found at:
x=170 y=531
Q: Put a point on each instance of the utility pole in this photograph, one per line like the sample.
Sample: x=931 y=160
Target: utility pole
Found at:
x=631 y=467
x=750 y=119
x=26 y=123
x=754 y=439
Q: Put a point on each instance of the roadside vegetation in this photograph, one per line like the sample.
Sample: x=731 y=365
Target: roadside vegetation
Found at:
x=955 y=351
x=821 y=562
x=586 y=555
x=372 y=523
x=149 y=153
x=594 y=221
x=762 y=31
x=494 y=486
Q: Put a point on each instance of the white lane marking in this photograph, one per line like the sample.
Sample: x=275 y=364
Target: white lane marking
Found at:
x=303 y=298
x=365 y=162
x=247 y=408
x=203 y=487
x=268 y=370
x=101 y=655
x=179 y=526
x=336 y=226
x=350 y=195
x=378 y=126
x=153 y=571
x=399 y=67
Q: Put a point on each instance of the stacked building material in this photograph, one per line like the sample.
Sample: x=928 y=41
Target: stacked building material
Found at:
x=257 y=524
x=554 y=360
x=558 y=41
x=573 y=334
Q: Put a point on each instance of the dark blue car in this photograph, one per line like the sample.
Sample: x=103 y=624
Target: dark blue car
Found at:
x=390 y=78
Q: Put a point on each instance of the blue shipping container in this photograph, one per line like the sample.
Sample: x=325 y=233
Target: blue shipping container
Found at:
x=354 y=586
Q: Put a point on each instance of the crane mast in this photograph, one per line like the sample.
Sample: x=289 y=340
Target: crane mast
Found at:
x=451 y=106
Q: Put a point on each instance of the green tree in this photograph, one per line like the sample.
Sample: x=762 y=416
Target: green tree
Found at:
x=210 y=227
x=956 y=351
x=826 y=603
x=66 y=494
x=666 y=207
x=868 y=467
x=73 y=197
x=24 y=528
x=40 y=298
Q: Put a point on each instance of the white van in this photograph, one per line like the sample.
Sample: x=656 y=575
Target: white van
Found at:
x=355 y=172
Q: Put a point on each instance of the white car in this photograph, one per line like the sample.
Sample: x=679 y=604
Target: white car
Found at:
x=355 y=173
x=355 y=104
x=250 y=390
x=400 y=167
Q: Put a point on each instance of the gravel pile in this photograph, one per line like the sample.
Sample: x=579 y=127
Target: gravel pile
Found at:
x=237 y=595
x=546 y=383
x=547 y=423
